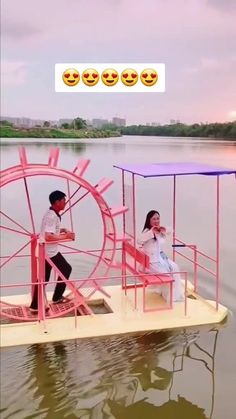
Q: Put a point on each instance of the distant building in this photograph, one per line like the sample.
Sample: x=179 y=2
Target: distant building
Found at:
x=148 y=124
x=7 y=118
x=119 y=122
x=38 y=122
x=65 y=121
x=18 y=122
x=98 y=123
x=53 y=123
x=155 y=124
x=174 y=121
x=25 y=122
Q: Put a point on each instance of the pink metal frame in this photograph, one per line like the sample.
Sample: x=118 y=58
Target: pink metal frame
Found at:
x=143 y=279
x=177 y=243
x=105 y=258
x=196 y=251
x=82 y=290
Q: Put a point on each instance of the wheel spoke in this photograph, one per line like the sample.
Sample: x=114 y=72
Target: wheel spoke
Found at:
x=14 y=222
x=76 y=202
x=29 y=204
x=69 y=200
x=70 y=197
x=16 y=253
x=14 y=230
x=85 y=252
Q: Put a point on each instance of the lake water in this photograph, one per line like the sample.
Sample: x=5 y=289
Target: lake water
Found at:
x=186 y=374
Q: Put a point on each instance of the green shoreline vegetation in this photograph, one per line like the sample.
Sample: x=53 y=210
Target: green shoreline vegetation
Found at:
x=215 y=130
x=79 y=129
x=8 y=132
x=36 y=132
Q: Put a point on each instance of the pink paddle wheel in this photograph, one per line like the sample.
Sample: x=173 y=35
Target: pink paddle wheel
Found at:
x=80 y=290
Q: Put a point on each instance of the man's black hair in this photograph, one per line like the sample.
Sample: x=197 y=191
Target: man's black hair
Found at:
x=56 y=196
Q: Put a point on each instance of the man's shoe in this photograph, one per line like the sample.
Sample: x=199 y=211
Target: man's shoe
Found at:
x=33 y=310
x=61 y=300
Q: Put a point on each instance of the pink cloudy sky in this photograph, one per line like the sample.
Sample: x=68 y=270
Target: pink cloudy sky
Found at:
x=194 y=38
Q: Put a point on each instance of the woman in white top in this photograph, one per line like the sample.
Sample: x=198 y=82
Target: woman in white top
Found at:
x=152 y=240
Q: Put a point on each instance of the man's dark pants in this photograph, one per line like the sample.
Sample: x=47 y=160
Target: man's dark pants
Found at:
x=65 y=268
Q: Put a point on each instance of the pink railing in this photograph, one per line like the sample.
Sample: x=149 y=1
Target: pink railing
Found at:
x=72 y=282
x=181 y=244
x=26 y=170
x=176 y=242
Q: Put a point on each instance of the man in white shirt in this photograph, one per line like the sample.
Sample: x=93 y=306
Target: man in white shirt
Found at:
x=51 y=232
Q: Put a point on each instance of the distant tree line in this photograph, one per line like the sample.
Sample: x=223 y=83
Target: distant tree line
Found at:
x=215 y=130
x=77 y=123
x=77 y=129
x=6 y=123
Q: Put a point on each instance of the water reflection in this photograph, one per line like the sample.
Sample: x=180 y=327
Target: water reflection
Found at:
x=134 y=377
x=50 y=381
x=77 y=148
x=147 y=389
x=153 y=375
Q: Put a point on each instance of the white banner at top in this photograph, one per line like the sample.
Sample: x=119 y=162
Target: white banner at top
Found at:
x=110 y=77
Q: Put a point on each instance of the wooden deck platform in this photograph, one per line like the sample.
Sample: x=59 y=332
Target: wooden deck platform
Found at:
x=123 y=318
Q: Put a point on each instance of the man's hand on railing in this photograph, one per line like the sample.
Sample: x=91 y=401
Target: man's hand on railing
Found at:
x=70 y=235
x=63 y=230
x=64 y=235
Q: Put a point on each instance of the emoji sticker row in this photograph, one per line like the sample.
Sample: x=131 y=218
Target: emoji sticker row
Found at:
x=110 y=77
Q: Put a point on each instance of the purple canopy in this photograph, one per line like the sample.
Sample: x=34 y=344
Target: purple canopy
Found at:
x=170 y=169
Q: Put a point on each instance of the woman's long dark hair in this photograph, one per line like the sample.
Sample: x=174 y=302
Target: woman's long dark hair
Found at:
x=147 y=224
